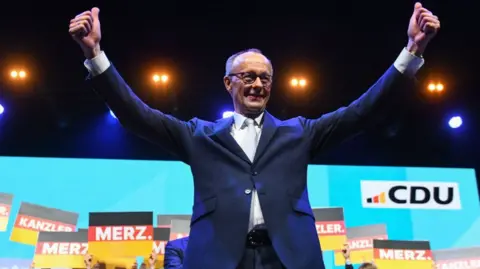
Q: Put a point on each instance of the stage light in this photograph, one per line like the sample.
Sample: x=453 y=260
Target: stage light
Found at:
x=112 y=114
x=160 y=78
x=435 y=87
x=227 y=114
x=2 y=109
x=439 y=87
x=302 y=83
x=298 y=82
x=18 y=74
x=294 y=82
x=455 y=122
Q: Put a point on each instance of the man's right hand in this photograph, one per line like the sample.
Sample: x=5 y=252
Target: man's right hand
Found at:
x=85 y=30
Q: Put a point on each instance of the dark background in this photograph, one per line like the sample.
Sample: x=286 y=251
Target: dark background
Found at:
x=341 y=47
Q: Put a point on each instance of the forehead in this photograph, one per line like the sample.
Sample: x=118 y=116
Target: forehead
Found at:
x=251 y=61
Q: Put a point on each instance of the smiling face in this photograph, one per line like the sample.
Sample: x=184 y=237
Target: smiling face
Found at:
x=249 y=81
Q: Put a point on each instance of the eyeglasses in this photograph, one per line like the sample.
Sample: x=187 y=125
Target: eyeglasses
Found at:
x=249 y=78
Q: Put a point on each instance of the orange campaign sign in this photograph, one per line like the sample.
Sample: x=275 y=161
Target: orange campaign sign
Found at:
x=360 y=240
x=61 y=249
x=330 y=224
x=180 y=229
x=402 y=254
x=161 y=236
x=125 y=234
x=5 y=207
x=458 y=258
x=165 y=221
x=32 y=218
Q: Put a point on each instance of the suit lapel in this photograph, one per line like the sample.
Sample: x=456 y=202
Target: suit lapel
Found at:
x=268 y=130
x=223 y=136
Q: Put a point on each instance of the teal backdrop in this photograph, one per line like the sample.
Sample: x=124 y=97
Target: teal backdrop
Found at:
x=165 y=187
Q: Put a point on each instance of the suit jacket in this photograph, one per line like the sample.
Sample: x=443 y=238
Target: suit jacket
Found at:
x=224 y=176
x=174 y=253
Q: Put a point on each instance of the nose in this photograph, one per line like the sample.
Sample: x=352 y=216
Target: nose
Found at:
x=257 y=83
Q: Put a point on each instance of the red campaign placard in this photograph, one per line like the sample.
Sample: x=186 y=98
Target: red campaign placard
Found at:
x=61 y=248
x=174 y=236
x=402 y=254
x=330 y=227
x=159 y=247
x=38 y=224
x=4 y=210
x=120 y=233
x=363 y=243
x=467 y=263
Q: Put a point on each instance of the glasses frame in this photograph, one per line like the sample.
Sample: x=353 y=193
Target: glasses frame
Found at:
x=241 y=76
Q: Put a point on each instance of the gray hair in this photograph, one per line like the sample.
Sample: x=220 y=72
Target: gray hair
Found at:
x=231 y=59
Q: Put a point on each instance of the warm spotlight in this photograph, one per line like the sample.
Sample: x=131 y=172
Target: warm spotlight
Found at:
x=18 y=74
x=435 y=87
x=298 y=82
x=160 y=78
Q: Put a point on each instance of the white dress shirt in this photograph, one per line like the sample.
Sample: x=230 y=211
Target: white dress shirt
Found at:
x=238 y=133
x=406 y=63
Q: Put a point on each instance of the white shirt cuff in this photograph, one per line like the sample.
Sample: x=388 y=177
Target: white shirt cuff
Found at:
x=407 y=63
x=348 y=262
x=97 y=65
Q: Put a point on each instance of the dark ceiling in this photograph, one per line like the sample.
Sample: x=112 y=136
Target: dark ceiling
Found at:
x=341 y=47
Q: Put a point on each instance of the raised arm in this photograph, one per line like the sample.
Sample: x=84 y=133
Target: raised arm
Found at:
x=170 y=133
x=377 y=103
x=173 y=258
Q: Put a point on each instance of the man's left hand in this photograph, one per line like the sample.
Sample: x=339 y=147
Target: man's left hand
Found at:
x=423 y=26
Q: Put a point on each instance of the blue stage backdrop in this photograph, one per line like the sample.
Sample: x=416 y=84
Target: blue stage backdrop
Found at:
x=412 y=202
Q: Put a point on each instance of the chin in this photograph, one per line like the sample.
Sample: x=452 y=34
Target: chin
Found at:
x=255 y=108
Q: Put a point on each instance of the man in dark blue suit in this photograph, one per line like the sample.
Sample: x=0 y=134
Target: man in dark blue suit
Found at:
x=175 y=253
x=251 y=206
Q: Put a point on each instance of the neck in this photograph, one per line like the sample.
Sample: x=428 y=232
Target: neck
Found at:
x=250 y=114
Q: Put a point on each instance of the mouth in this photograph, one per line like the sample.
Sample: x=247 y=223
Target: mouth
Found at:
x=254 y=97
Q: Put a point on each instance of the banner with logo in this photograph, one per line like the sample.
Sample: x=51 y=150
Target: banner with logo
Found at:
x=61 y=249
x=161 y=236
x=360 y=240
x=402 y=254
x=415 y=195
x=330 y=224
x=33 y=218
x=438 y=219
x=6 y=200
x=125 y=234
x=180 y=229
x=457 y=258
x=165 y=221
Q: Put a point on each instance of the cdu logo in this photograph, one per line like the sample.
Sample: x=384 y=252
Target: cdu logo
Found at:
x=411 y=195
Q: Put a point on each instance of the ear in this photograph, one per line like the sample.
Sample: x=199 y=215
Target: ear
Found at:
x=228 y=84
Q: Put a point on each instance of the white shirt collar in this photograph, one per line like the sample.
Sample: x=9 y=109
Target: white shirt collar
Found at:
x=240 y=119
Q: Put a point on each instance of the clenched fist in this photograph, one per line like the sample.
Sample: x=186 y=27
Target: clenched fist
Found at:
x=423 y=26
x=87 y=260
x=85 y=30
x=152 y=259
x=346 y=251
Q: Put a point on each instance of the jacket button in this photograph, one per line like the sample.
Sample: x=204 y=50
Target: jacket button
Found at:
x=248 y=191
x=255 y=173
